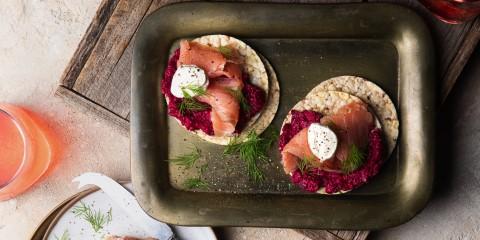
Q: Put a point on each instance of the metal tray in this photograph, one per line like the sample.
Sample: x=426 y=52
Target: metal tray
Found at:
x=305 y=44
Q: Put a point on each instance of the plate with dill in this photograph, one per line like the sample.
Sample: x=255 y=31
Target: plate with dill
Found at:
x=196 y=160
x=94 y=216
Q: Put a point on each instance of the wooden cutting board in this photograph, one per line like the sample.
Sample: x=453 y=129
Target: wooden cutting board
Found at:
x=97 y=77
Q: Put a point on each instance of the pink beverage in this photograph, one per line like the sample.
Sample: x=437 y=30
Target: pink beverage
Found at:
x=453 y=11
x=25 y=150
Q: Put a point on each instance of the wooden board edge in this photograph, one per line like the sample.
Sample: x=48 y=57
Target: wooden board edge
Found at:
x=88 y=42
x=317 y=234
x=118 y=33
x=86 y=104
x=363 y=235
x=331 y=235
x=357 y=235
x=461 y=58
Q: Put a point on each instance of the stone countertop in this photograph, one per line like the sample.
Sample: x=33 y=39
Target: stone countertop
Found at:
x=38 y=39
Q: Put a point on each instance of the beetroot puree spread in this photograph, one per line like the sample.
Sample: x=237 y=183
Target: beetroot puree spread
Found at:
x=200 y=120
x=333 y=182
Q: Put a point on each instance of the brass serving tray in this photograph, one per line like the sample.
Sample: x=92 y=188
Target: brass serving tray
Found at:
x=305 y=44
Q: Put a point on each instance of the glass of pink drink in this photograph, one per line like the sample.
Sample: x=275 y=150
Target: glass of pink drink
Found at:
x=453 y=11
x=25 y=150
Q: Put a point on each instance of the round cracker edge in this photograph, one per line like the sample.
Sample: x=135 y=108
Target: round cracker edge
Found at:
x=306 y=104
x=374 y=96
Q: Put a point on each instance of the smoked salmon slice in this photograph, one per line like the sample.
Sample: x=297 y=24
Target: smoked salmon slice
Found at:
x=352 y=123
x=205 y=57
x=233 y=55
x=297 y=148
x=224 y=75
x=230 y=77
x=212 y=62
x=225 y=109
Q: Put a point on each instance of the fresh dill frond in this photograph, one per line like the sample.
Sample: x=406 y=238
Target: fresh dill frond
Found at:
x=251 y=150
x=195 y=183
x=354 y=159
x=242 y=100
x=225 y=51
x=187 y=160
x=270 y=135
x=194 y=90
x=305 y=164
x=203 y=168
x=190 y=104
x=97 y=219
x=65 y=236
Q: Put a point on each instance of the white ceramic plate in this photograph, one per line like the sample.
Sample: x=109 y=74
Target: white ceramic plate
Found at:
x=115 y=222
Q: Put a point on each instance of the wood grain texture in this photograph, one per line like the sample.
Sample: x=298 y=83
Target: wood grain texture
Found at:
x=321 y=235
x=86 y=45
x=106 y=55
x=86 y=104
x=456 y=65
x=354 y=235
x=117 y=97
x=98 y=76
x=333 y=234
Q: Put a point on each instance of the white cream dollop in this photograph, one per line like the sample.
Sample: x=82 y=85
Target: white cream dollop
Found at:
x=322 y=141
x=185 y=76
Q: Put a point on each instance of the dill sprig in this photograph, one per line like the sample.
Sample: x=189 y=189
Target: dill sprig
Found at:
x=194 y=90
x=252 y=150
x=270 y=135
x=65 y=236
x=354 y=159
x=189 y=103
x=238 y=94
x=187 y=160
x=203 y=168
x=195 y=183
x=96 y=218
x=304 y=164
x=225 y=51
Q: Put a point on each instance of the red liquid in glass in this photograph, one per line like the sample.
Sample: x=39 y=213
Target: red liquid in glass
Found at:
x=453 y=11
x=26 y=150
x=12 y=149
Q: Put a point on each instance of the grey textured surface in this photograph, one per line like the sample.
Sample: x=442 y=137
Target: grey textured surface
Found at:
x=454 y=210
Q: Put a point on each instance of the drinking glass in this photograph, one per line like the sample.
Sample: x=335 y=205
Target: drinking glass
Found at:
x=453 y=11
x=25 y=150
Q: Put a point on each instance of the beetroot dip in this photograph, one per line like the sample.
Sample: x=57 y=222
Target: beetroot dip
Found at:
x=200 y=120
x=316 y=178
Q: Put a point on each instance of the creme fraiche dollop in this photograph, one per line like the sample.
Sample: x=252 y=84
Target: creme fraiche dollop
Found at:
x=188 y=76
x=322 y=141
